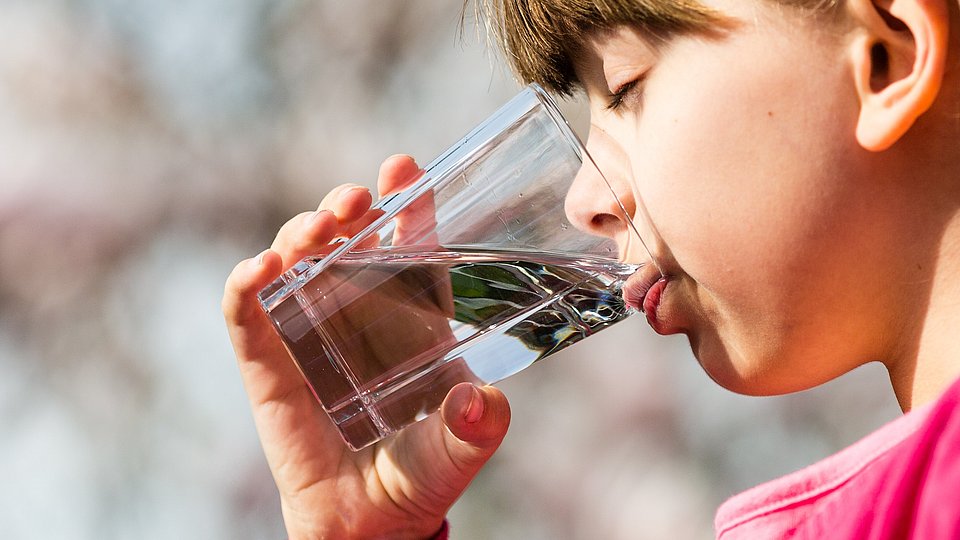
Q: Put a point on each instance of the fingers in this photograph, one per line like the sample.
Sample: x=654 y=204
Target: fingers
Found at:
x=342 y=213
x=396 y=173
x=240 y=305
x=477 y=419
x=349 y=202
x=345 y=211
x=417 y=223
x=305 y=234
x=264 y=364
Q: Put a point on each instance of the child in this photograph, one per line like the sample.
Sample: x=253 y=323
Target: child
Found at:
x=795 y=167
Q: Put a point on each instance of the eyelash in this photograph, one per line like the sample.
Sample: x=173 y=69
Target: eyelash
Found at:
x=617 y=98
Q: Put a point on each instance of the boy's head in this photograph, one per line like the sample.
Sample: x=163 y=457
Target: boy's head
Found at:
x=767 y=150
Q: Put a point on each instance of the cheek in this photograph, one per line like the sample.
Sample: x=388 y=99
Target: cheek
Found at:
x=750 y=176
x=734 y=167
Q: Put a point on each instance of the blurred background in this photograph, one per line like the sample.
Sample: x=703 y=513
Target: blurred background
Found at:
x=146 y=146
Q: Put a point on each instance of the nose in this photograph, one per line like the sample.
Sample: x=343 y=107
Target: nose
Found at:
x=603 y=203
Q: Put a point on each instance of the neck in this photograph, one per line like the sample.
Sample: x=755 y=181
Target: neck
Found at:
x=921 y=375
x=926 y=358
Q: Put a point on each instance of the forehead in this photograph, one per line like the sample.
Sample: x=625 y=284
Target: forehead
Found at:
x=625 y=46
x=603 y=50
x=617 y=47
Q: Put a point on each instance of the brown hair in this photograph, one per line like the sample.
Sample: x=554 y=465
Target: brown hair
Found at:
x=540 y=37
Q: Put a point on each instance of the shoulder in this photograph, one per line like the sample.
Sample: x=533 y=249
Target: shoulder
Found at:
x=895 y=483
x=927 y=469
x=916 y=484
x=935 y=445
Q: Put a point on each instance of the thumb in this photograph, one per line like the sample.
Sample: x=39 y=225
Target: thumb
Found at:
x=477 y=420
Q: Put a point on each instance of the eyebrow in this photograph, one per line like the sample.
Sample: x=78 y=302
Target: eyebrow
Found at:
x=582 y=55
x=540 y=38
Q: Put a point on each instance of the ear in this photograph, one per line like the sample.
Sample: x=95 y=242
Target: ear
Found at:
x=898 y=55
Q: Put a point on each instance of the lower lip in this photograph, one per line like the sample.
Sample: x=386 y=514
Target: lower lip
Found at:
x=651 y=301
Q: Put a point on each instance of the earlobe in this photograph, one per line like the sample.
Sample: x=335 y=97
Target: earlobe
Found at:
x=898 y=58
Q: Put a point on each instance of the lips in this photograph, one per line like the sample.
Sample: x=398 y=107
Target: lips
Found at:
x=651 y=302
x=643 y=291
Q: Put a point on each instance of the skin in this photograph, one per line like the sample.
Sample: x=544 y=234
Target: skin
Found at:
x=799 y=241
x=399 y=488
x=803 y=205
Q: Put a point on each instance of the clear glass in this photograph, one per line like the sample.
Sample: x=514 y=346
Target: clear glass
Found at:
x=471 y=274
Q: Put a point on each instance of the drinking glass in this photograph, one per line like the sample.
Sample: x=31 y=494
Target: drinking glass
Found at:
x=472 y=273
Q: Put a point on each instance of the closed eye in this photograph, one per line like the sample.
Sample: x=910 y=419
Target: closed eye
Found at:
x=623 y=93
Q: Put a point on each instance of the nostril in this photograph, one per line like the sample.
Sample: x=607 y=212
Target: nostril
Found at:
x=605 y=223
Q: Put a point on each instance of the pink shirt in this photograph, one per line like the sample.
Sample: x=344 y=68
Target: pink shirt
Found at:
x=902 y=481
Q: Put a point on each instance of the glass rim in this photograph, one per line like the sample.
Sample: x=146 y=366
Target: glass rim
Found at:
x=553 y=110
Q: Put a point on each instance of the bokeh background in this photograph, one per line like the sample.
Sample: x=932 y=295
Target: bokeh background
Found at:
x=146 y=146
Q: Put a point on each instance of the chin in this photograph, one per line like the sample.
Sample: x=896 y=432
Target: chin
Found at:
x=730 y=379
x=749 y=375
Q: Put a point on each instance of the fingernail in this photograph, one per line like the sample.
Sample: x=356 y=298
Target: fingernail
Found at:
x=474 y=409
x=261 y=256
x=316 y=215
x=347 y=193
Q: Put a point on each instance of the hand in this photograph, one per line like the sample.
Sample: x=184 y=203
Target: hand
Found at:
x=399 y=488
